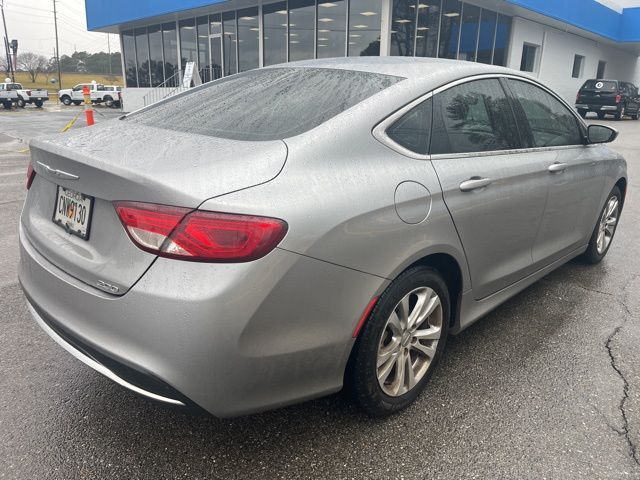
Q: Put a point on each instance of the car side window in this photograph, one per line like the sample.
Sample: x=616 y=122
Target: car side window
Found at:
x=77 y=88
x=473 y=117
x=413 y=129
x=550 y=121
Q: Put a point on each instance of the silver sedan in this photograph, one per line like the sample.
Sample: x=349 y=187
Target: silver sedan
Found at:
x=283 y=233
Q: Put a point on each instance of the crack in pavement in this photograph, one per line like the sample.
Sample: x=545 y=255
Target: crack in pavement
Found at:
x=625 y=391
x=633 y=450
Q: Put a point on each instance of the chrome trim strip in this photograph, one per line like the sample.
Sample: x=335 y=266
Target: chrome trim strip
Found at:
x=58 y=173
x=379 y=131
x=95 y=365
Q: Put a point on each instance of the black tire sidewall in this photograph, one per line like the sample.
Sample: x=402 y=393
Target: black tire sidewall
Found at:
x=363 y=381
x=591 y=255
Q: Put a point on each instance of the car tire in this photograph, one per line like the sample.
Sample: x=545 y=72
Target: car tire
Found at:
x=66 y=100
x=620 y=113
x=582 y=113
x=634 y=117
x=108 y=101
x=7 y=105
x=600 y=115
x=598 y=247
x=38 y=103
x=77 y=102
x=21 y=103
x=386 y=335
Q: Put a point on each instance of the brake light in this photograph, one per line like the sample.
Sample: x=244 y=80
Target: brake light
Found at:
x=31 y=174
x=29 y=92
x=618 y=98
x=199 y=236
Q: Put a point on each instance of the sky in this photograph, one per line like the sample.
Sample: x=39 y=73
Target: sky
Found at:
x=31 y=23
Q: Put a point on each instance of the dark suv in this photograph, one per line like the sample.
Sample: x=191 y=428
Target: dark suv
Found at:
x=608 y=97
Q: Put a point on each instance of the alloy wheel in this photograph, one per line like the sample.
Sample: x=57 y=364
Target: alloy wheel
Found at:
x=409 y=341
x=608 y=222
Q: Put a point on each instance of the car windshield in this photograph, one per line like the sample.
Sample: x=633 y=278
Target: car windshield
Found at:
x=606 y=85
x=265 y=104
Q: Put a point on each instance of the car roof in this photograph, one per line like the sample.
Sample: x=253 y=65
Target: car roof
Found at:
x=408 y=67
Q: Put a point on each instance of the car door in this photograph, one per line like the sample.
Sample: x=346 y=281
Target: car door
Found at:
x=633 y=102
x=574 y=171
x=495 y=191
x=76 y=93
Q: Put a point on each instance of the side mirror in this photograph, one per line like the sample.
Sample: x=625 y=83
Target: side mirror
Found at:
x=601 y=134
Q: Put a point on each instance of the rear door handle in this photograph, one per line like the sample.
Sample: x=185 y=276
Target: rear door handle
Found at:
x=557 y=167
x=474 y=183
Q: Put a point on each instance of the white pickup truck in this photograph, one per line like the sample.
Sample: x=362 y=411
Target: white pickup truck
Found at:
x=97 y=91
x=35 y=96
x=8 y=96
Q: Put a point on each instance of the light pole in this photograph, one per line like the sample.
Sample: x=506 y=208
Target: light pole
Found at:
x=6 y=43
x=55 y=23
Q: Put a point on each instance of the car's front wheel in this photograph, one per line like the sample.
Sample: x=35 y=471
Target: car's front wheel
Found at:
x=401 y=342
x=605 y=228
x=66 y=100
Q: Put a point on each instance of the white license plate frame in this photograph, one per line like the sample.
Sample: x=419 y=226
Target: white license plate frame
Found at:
x=82 y=212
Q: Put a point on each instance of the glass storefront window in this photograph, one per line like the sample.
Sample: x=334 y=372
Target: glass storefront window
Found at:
x=229 y=43
x=502 y=39
x=188 y=48
x=427 y=31
x=403 y=22
x=449 y=29
x=129 y=52
x=274 y=33
x=469 y=32
x=170 y=47
x=248 y=39
x=487 y=33
x=331 y=34
x=142 y=54
x=364 y=27
x=155 y=55
x=215 y=44
x=302 y=20
x=202 y=31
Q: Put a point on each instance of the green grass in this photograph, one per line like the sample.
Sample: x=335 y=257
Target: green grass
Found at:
x=68 y=80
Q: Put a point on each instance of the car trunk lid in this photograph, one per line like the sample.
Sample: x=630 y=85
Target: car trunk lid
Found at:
x=117 y=161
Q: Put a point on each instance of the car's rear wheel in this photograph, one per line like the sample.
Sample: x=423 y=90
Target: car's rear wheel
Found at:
x=108 y=101
x=605 y=229
x=600 y=115
x=39 y=103
x=21 y=102
x=401 y=342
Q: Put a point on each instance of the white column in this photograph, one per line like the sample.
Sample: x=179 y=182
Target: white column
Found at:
x=385 y=28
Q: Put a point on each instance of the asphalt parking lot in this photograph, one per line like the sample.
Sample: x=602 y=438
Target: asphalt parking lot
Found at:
x=546 y=386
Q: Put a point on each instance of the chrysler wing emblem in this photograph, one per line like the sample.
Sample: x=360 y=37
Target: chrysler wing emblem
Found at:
x=58 y=173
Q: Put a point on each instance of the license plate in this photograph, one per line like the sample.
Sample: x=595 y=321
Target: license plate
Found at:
x=73 y=212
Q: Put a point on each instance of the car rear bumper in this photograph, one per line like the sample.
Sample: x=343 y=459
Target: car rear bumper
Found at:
x=596 y=108
x=230 y=338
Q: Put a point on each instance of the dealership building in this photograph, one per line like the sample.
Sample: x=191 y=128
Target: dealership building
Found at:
x=562 y=42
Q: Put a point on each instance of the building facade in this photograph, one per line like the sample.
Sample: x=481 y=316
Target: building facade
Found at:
x=562 y=42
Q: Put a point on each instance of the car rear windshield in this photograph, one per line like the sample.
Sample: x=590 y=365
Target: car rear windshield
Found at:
x=606 y=85
x=265 y=104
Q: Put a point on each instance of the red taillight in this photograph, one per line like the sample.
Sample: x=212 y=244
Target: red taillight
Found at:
x=31 y=174
x=199 y=236
x=618 y=98
x=29 y=92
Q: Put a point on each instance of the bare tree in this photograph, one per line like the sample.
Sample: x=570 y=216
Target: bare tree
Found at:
x=33 y=64
x=4 y=66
